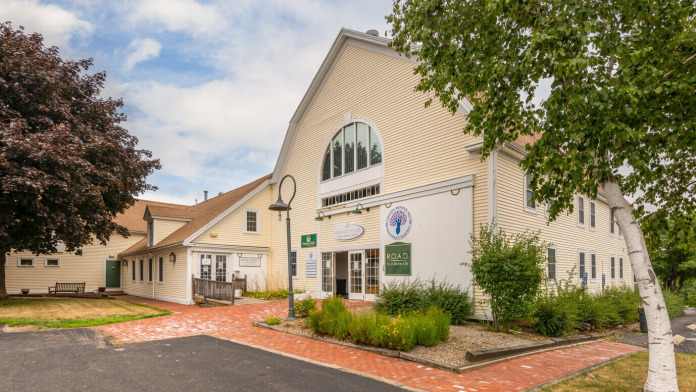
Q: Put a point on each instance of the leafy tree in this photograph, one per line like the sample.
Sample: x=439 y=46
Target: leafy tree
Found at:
x=67 y=166
x=619 y=118
x=671 y=240
x=509 y=268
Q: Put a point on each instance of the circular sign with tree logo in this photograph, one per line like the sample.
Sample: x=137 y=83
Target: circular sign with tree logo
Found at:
x=398 y=222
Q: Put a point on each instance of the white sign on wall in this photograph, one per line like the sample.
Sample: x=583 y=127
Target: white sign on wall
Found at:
x=348 y=231
x=249 y=260
x=398 y=222
x=311 y=265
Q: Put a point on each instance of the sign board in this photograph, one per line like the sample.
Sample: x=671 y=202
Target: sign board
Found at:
x=397 y=259
x=311 y=266
x=308 y=240
x=347 y=231
x=249 y=260
x=398 y=222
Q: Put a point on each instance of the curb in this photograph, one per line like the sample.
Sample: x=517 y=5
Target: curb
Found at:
x=496 y=353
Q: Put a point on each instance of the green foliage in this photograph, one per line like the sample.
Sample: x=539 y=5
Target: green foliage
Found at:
x=333 y=319
x=273 y=320
x=689 y=292
x=671 y=241
x=510 y=270
x=675 y=303
x=417 y=296
x=304 y=307
x=273 y=294
x=552 y=318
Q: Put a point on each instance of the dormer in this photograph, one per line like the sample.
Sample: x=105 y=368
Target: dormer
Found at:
x=164 y=220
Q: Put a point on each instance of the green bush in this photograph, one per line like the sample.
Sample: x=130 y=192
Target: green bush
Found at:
x=552 y=318
x=333 y=319
x=625 y=301
x=304 y=307
x=273 y=294
x=675 y=303
x=431 y=328
x=688 y=291
x=417 y=296
x=510 y=269
x=273 y=320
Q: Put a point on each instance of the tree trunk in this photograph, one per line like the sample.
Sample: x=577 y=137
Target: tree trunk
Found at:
x=3 y=291
x=662 y=370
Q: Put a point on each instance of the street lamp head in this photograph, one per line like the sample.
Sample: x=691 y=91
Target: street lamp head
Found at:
x=279 y=205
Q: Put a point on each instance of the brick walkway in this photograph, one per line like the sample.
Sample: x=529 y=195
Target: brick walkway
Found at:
x=235 y=323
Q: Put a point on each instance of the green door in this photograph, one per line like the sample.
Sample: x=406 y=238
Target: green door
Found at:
x=113 y=273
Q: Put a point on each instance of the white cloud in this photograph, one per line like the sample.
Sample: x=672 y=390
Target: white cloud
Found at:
x=142 y=49
x=177 y=15
x=56 y=24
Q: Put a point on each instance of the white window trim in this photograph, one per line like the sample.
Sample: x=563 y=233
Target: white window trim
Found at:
x=587 y=266
x=162 y=269
x=19 y=262
x=588 y=260
x=51 y=266
x=529 y=209
x=616 y=268
x=555 y=252
x=577 y=215
x=258 y=221
x=589 y=215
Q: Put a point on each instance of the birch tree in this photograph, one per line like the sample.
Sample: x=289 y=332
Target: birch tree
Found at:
x=607 y=86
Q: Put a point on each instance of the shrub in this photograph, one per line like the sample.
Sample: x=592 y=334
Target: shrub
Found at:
x=625 y=301
x=304 y=307
x=552 y=318
x=674 y=302
x=399 y=334
x=273 y=294
x=688 y=291
x=333 y=319
x=417 y=296
x=510 y=270
x=273 y=320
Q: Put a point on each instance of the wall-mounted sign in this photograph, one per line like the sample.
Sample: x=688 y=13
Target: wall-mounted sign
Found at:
x=311 y=265
x=398 y=222
x=397 y=259
x=249 y=260
x=348 y=231
x=308 y=240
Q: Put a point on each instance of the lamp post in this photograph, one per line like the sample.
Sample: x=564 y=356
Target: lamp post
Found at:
x=281 y=206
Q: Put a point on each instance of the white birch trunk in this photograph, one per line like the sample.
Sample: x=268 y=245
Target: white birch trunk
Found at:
x=662 y=371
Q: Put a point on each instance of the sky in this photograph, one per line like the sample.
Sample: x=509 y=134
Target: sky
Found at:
x=209 y=86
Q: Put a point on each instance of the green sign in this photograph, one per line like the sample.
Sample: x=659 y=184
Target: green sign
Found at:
x=397 y=259
x=308 y=240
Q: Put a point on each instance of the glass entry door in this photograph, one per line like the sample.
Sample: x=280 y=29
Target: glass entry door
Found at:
x=356 y=275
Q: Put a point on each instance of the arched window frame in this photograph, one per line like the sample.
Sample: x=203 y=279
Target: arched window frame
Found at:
x=330 y=151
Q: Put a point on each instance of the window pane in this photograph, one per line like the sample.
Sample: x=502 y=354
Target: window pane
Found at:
x=251 y=221
x=594 y=266
x=349 y=135
x=375 y=148
x=372 y=271
x=133 y=272
x=592 y=214
x=529 y=195
x=326 y=166
x=161 y=269
x=552 y=263
x=581 y=210
x=363 y=142
x=149 y=270
x=337 y=145
x=221 y=268
x=326 y=273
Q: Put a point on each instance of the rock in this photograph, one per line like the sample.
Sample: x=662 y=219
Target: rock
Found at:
x=678 y=339
x=691 y=327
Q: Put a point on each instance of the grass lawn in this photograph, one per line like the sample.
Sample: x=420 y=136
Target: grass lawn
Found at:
x=627 y=374
x=72 y=312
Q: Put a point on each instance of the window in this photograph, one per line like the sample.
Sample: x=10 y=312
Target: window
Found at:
x=612 y=221
x=592 y=214
x=620 y=267
x=583 y=274
x=581 y=210
x=251 y=221
x=351 y=195
x=221 y=268
x=293 y=262
x=326 y=275
x=160 y=269
x=528 y=193
x=52 y=262
x=372 y=271
x=206 y=261
x=150 y=264
x=150 y=232
x=356 y=146
x=551 y=259
x=142 y=269
x=133 y=270
x=613 y=268
x=593 y=261
x=25 y=262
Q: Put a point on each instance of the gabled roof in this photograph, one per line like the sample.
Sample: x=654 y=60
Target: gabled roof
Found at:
x=343 y=35
x=199 y=215
x=132 y=218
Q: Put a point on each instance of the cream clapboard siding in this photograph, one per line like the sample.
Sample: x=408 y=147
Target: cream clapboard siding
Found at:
x=173 y=288
x=90 y=267
x=564 y=234
x=420 y=146
x=231 y=230
x=164 y=227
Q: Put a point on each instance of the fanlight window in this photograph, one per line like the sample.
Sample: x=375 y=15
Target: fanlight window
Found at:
x=355 y=147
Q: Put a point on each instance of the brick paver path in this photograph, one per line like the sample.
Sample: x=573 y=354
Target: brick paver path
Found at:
x=235 y=323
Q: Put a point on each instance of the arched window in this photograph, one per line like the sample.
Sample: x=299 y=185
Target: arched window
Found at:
x=355 y=147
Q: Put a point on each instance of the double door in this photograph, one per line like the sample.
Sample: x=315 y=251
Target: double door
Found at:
x=361 y=269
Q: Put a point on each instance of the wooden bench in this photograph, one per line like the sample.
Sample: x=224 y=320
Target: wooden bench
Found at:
x=73 y=288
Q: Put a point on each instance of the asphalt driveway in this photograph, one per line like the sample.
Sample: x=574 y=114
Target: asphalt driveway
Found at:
x=679 y=327
x=79 y=360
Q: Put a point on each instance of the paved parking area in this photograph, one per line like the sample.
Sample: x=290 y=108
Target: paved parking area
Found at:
x=79 y=360
x=235 y=323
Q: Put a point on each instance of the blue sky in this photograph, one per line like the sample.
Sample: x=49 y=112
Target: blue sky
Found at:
x=209 y=86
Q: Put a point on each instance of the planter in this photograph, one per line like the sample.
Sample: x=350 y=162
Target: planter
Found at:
x=25 y=291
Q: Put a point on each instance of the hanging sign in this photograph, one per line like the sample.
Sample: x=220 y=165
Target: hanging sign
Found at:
x=308 y=240
x=397 y=259
x=398 y=222
x=347 y=231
